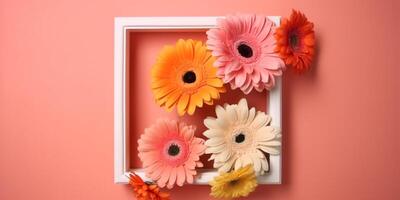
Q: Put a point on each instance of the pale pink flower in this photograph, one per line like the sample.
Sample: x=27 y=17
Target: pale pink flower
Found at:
x=170 y=152
x=244 y=46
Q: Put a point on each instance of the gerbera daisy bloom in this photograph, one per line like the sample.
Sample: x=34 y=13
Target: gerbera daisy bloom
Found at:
x=184 y=76
x=295 y=41
x=240 y=136
x=244 y=47
x=170 y=152
x=239 y=183
x=144 y=190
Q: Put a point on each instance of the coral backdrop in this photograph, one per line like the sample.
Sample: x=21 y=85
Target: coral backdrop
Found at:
x=341 y=124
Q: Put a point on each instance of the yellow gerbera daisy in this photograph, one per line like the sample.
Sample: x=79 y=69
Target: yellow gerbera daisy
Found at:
x=183 y=75
x=238 y=183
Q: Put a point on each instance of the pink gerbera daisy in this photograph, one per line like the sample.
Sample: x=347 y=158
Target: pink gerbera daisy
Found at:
x=170 y=152
x=244 y=47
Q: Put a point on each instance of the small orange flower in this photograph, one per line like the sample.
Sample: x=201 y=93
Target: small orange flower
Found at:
x=295 y=41
x=146 y=191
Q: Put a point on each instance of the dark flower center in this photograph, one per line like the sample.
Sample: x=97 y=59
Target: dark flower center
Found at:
x=240 y=138
x=173 y=150
x=233 y=182
x=293 y=40
x=245 y=51
x=189 y=77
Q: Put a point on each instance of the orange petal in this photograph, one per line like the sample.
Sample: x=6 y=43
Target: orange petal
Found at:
x=164 y=91
x=204 y=93
x=197 y=99
x=222 y=90
x=173 y=98
x=183 y=103
x=159 y=83
x=211 y=102
x=215 y=82
x=212 y=91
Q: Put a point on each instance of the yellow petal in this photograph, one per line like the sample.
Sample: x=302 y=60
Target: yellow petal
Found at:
x=172 y=98
x=192 y=105
x=197 y=99
x=159 y=83
x=183 y=103
x=189 y=49
x=204 y=93
x=162 y=92
x=215 y=82
x=211 y=102
x=180 y=48
x=213 y=92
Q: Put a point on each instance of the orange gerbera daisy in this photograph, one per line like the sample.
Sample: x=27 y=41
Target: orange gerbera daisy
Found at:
x=184 y=76
x=146 y=191
x=295 y=41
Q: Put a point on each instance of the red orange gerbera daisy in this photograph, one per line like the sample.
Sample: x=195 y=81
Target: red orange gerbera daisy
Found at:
x=295 y=41
x=146 y=191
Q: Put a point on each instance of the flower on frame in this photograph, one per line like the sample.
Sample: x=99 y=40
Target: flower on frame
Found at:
x=240 y=136
x=184 y=76
x=244 y=47
x=144 y=190
x=170 y=152
x=295 y=41
x=238 y=183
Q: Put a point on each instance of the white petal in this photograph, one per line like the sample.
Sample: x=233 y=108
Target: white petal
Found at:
x=223 y=156
x=264 y=164
x=260 y=120
x=220 y=111
x=247 y=160
x=218 y=164
x=215 y=141
x=227 y=166
x=243 y=103
x=265 y=134
x=252 y=114
x=239 y=163
x=210 y=133
x=211 y=123
x=212 y=157
x=260 y=154
x=231 y=114
x=256 y=163
x=242 y=111
x=215 y=149
x=269 y=150
x=273 y=143
x=222 y=123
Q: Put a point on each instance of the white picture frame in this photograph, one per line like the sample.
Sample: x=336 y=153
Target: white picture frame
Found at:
x=125 y=24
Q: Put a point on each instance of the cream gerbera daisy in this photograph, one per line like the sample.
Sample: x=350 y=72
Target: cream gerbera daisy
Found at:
x=240 y=136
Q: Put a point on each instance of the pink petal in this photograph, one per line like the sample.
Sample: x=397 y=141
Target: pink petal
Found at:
x=264 y=76
x=172 y=177
x=189 y=176
x=240 y=79
x=256 y=77
x=164 y=177
x=271 y=63
x=232 y=67
x=180 y=176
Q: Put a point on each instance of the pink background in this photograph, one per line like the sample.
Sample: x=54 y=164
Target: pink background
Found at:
x=56 y=99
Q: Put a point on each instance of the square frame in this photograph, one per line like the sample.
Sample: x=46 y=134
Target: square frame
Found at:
x=122 y=26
